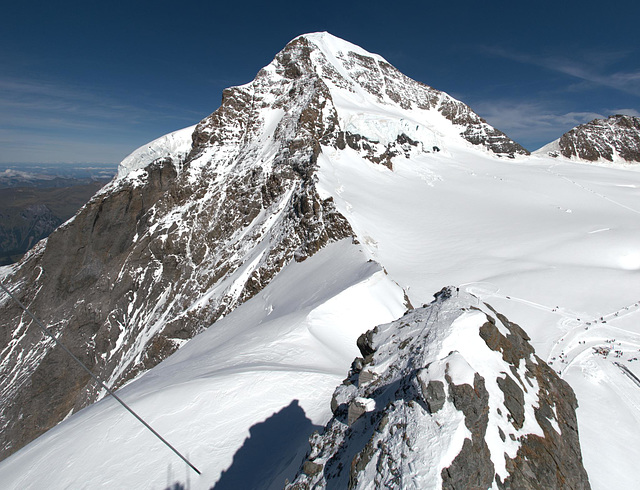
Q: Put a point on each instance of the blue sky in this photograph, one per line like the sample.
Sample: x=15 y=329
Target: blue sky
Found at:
x=91 y=81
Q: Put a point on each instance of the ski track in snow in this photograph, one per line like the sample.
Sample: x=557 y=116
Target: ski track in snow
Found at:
x=585 y=188
x=588 y=333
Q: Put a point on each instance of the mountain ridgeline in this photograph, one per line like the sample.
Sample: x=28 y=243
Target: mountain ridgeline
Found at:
x=202 y=220
x=615 y=139
x=199 y=224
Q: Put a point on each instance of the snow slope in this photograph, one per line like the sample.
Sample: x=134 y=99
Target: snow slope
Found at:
x=552 y=244
x=176 y=145
x=282 y=352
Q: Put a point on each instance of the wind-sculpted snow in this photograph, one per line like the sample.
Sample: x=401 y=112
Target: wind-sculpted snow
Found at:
x=448 y=396
x=255 y=383
x=174 y=145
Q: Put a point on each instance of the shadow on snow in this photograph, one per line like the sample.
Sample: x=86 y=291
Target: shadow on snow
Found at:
x=272 y=453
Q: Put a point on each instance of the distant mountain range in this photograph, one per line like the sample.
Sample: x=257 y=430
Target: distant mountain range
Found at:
x=54 y=174
x=36 y=199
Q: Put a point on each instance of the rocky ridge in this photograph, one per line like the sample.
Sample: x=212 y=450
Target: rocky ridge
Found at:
x=451 y=395
x=201 y=220
x=615 y=139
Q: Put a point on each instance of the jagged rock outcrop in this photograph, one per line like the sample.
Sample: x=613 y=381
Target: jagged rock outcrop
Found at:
x=200 y=220
x=615 y=139
x=452 y=396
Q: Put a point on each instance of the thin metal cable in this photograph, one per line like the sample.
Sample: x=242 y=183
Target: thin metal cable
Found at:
x=63 y=347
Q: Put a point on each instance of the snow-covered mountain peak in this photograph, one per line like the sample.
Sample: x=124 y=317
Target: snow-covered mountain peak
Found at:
x=364 y=85
x=615 y=139
x=332 y=46
x=323 y=91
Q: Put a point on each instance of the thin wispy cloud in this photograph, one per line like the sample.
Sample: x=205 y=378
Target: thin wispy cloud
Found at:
x=30 y=100
x=595 y=67
x=627 y=112
x=533 y=124
x=47 y=121
x=21 y=146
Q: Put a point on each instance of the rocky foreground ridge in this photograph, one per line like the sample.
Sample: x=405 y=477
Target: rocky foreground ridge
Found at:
x=615 y=139
x=451 y=396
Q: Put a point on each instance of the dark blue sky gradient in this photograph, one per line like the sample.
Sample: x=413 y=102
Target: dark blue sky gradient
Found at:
x=92 y=81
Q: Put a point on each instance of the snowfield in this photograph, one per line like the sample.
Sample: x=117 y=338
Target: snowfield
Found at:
x=283 y=352
x=552 y=244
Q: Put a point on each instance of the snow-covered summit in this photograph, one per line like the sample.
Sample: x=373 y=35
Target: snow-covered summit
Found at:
x=612 y=140
x=330 y=45
x=176 y=144
x=346 y=96
x=376 y=102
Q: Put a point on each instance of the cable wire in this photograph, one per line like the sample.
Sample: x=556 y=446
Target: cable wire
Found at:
x=96 y=378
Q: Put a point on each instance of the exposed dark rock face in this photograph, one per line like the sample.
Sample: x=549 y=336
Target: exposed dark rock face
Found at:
x=478 y=132
x=472 y=467
x=393 y=427
x=617 y=137
x=553 y=457
x=34 y=223
x=67 y=283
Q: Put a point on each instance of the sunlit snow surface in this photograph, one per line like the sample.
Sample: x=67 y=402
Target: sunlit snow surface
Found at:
x=553 y=245
x=293 y=343
x=176 y=144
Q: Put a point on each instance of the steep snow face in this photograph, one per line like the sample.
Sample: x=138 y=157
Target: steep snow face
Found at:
x=612 y=140
x=174 y=145
x=377 y=103
x=448 y=396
